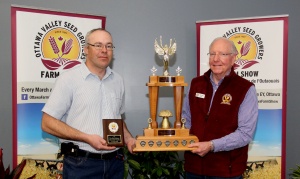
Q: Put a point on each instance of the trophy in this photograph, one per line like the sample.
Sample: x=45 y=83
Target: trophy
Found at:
x=163 y=137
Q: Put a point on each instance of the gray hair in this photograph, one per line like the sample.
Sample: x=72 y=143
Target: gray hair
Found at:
x=90 y=32
x=233 y=47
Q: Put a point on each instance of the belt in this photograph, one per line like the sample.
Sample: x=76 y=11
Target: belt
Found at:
x=104 y=156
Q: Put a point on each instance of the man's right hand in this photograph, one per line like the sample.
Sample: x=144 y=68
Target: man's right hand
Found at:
x=98 y=142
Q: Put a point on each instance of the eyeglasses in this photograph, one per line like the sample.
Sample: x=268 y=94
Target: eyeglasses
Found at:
x=108 y=47
x=221 y=55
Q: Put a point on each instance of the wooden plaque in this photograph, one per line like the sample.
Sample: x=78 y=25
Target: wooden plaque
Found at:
x=113 y=132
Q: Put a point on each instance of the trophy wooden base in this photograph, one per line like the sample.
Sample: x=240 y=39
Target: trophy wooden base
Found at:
x=164 y=140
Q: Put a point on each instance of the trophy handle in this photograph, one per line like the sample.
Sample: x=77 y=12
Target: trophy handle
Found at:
x=153 y=96
x=178 y=99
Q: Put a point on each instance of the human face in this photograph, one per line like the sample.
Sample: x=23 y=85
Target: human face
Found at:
x=98 y=59
x=221 y=63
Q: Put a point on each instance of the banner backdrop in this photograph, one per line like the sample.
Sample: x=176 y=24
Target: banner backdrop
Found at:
x=44 y=44
x=262 y=59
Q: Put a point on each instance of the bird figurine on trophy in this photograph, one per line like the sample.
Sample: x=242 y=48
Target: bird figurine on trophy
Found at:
x=165 y=53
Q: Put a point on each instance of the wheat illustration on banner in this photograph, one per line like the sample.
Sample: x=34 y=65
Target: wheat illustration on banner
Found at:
x=244 y=63
x=60 y=52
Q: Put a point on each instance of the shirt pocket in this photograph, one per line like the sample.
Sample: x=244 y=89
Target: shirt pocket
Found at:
x=111 y=106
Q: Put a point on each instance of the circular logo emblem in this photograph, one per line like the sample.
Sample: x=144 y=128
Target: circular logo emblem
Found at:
x=113 y=127
x=60 y=49
x=250 y=48
x=226 y=99
x=60 y=45
x=246 y=46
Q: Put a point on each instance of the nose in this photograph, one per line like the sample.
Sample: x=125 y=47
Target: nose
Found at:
x=104 y=49
x=216 y=57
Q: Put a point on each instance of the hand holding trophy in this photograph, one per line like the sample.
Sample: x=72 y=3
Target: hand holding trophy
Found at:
x=165 y=137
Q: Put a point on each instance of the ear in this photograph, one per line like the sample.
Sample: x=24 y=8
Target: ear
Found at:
x=85 y=49
x=234 y=58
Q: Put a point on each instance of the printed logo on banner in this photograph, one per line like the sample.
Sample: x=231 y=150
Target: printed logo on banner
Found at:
x=249 y=45
x=59 y=45
x=24 y=96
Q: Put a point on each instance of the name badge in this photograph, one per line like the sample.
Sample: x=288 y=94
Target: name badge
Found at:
x=200 y=95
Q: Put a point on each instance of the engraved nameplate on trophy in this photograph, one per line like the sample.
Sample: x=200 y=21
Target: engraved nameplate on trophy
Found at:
x=113 y=132
x=163 y=137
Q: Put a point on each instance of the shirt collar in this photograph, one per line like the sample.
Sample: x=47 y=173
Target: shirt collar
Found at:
x=108 y=72
x=86 y=72
x=212 y=81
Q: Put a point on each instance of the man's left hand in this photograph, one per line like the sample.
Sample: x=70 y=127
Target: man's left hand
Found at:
x=202 y=148
x=131 y=144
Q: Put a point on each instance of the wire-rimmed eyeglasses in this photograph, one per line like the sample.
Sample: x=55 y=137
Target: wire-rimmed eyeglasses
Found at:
x=100 y=46
x=221 y=55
